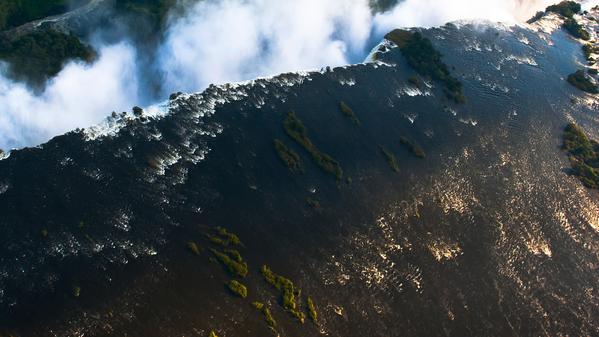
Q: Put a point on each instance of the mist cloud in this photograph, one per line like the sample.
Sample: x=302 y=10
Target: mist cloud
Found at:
x=428 y=13
x=221 y=41
x=79 y=96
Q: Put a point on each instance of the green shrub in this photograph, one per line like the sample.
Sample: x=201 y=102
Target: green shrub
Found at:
x=266 y=312
x=313 y=203
x=415 y=81
x=588 y=49
x=216 y=240
x=289 y=157
x=223 y=237
x=230 y=237
x=349 y=113
x=17 y=12
x=76 y=291
x=565 y=8
x=193 y=247
x=297 y=131
x=238 y=288
x=414 y=148
x=234 y=254
x=580 y=80
x=38 y=56
x=312 y=310
x=235 y=268
x=390 y=158
x=426 y=60
x=583 y=154
x=290 y=293
x=576 y=30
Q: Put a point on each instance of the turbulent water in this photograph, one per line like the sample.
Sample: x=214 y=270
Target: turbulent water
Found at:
x=487 y=235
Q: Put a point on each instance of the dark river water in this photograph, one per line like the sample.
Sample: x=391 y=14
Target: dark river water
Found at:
x=487 y=235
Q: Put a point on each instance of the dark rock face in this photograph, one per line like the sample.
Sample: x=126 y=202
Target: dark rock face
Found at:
x=485 y=235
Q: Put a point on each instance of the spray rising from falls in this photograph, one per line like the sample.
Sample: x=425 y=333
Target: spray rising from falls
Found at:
x=220 y=41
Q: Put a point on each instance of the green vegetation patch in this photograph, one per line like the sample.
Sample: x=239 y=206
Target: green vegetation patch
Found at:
x=349 y=113
x=391 y=159
x=17 y=12
x=235 y=268
x=313 y=203
x=426 y=60
x=230 y=237
x=266 y=312
x=193 y=247
x=297 y=131
x=415 y=81
x=234 y=254
x=38 y=56
x=580 y=80
x=223 y=237
x=576 y=30
x=583 y=154
x=414 y=148
x=290 y=292
x=289 y=157
x=565 y=8
x=238 y=288
x=312 y=311
x=589 y=49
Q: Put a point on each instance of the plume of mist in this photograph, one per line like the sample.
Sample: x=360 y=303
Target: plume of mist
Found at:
x=428 y=13
x=217 y=41
x=79 y=96
x=223 y=41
